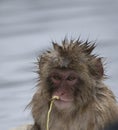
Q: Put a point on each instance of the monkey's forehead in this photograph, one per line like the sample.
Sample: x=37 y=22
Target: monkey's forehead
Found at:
x=73 y=55
x=50 y=61
x=69 y=54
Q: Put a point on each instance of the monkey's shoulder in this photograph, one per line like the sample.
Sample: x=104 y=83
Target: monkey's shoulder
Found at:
x=104 y=94
x=105 y=106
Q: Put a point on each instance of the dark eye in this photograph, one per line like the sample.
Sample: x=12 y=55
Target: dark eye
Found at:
x=56 y=77
x=71 y=78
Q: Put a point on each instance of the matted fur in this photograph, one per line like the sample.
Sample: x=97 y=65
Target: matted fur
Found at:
x=95 y=105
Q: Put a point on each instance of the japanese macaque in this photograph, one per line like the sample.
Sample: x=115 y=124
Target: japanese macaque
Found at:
x=73 y=73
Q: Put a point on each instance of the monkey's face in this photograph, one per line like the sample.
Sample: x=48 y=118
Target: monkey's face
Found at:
x=63 y=83
x=70 y=72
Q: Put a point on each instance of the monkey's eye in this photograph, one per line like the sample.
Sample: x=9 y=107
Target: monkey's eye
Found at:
x=56 y=77
x=71 y=78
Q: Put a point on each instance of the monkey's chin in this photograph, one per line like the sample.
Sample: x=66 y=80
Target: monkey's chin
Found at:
x=61 y=104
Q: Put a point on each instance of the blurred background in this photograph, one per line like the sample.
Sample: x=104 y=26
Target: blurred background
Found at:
x=27 y=27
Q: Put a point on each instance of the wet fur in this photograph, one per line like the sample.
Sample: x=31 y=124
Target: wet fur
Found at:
x=94 y=106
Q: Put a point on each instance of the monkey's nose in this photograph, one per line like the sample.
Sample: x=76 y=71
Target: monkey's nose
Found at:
x=62 y=93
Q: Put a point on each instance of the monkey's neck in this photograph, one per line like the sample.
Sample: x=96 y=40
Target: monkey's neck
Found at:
x=63 y=120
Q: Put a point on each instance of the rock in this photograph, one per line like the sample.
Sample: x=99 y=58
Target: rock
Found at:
x=24 y=127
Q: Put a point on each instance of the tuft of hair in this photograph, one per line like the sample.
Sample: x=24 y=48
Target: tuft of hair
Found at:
x=72 y=54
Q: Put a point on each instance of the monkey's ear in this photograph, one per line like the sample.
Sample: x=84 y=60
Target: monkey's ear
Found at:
x=96 y=68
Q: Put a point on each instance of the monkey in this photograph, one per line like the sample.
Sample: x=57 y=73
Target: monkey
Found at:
x=75 y=75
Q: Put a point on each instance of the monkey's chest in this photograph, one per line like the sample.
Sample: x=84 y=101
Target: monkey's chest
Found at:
x=69 y=125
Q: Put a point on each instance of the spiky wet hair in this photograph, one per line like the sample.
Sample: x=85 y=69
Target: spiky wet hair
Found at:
x=71 y=54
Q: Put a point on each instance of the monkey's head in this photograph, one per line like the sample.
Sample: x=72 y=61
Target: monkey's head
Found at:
x=70 y=71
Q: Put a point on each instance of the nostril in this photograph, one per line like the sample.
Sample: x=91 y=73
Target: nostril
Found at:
x=62 y=93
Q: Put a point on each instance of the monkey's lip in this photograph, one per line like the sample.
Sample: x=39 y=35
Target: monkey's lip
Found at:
x=64 y=100
x=63 y=103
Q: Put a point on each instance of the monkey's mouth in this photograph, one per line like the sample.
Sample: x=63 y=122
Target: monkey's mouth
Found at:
x=65 y=99
x=63 y=103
